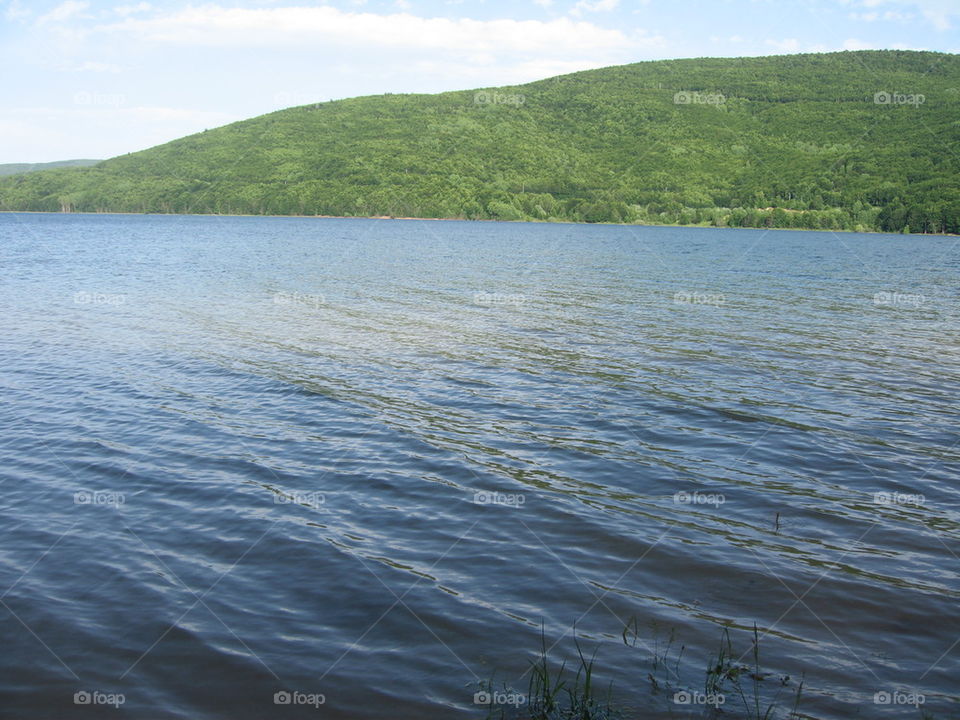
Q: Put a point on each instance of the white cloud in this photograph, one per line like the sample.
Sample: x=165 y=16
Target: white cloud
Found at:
x=857 y=44
x=889 y=16
x=732 y=39
x=125 y=10
x=594 y=6
x=940 y=16
x=213 y=25
x=792 y=46
x=91 y=66
x=64 y=11
x=15 y=10
x=787 y=45
x=939 y=13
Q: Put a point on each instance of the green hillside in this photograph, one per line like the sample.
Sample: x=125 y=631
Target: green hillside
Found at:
x=16 y=168
x=853 y=140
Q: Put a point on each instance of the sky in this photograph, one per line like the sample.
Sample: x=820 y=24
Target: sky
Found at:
x=99 y=78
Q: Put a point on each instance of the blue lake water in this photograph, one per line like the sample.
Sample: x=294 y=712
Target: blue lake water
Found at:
x=368 y=460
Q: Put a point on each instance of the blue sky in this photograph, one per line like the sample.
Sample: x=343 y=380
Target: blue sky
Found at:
x=98 y=78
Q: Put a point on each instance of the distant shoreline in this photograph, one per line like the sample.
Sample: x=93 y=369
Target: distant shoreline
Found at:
x=451 y=219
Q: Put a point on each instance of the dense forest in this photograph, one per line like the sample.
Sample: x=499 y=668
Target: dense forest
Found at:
x=864 y=140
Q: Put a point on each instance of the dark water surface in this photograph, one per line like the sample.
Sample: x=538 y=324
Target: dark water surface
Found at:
x=366 y=459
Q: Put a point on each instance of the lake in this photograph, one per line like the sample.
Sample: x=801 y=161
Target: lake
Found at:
x=350 y=468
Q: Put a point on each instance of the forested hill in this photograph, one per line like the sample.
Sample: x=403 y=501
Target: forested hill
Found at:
x=854 y=140
x=15 y=168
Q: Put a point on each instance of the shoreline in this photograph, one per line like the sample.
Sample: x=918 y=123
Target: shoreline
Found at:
x=453 y=219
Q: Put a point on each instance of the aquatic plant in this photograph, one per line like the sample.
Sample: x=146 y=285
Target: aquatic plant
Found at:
x=556 y=692
x=746 y=682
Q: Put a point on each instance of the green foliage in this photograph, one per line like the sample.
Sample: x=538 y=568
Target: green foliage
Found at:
x=788 y=141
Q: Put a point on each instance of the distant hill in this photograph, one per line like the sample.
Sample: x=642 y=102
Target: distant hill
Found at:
x=853 y=140
x=16 y=168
